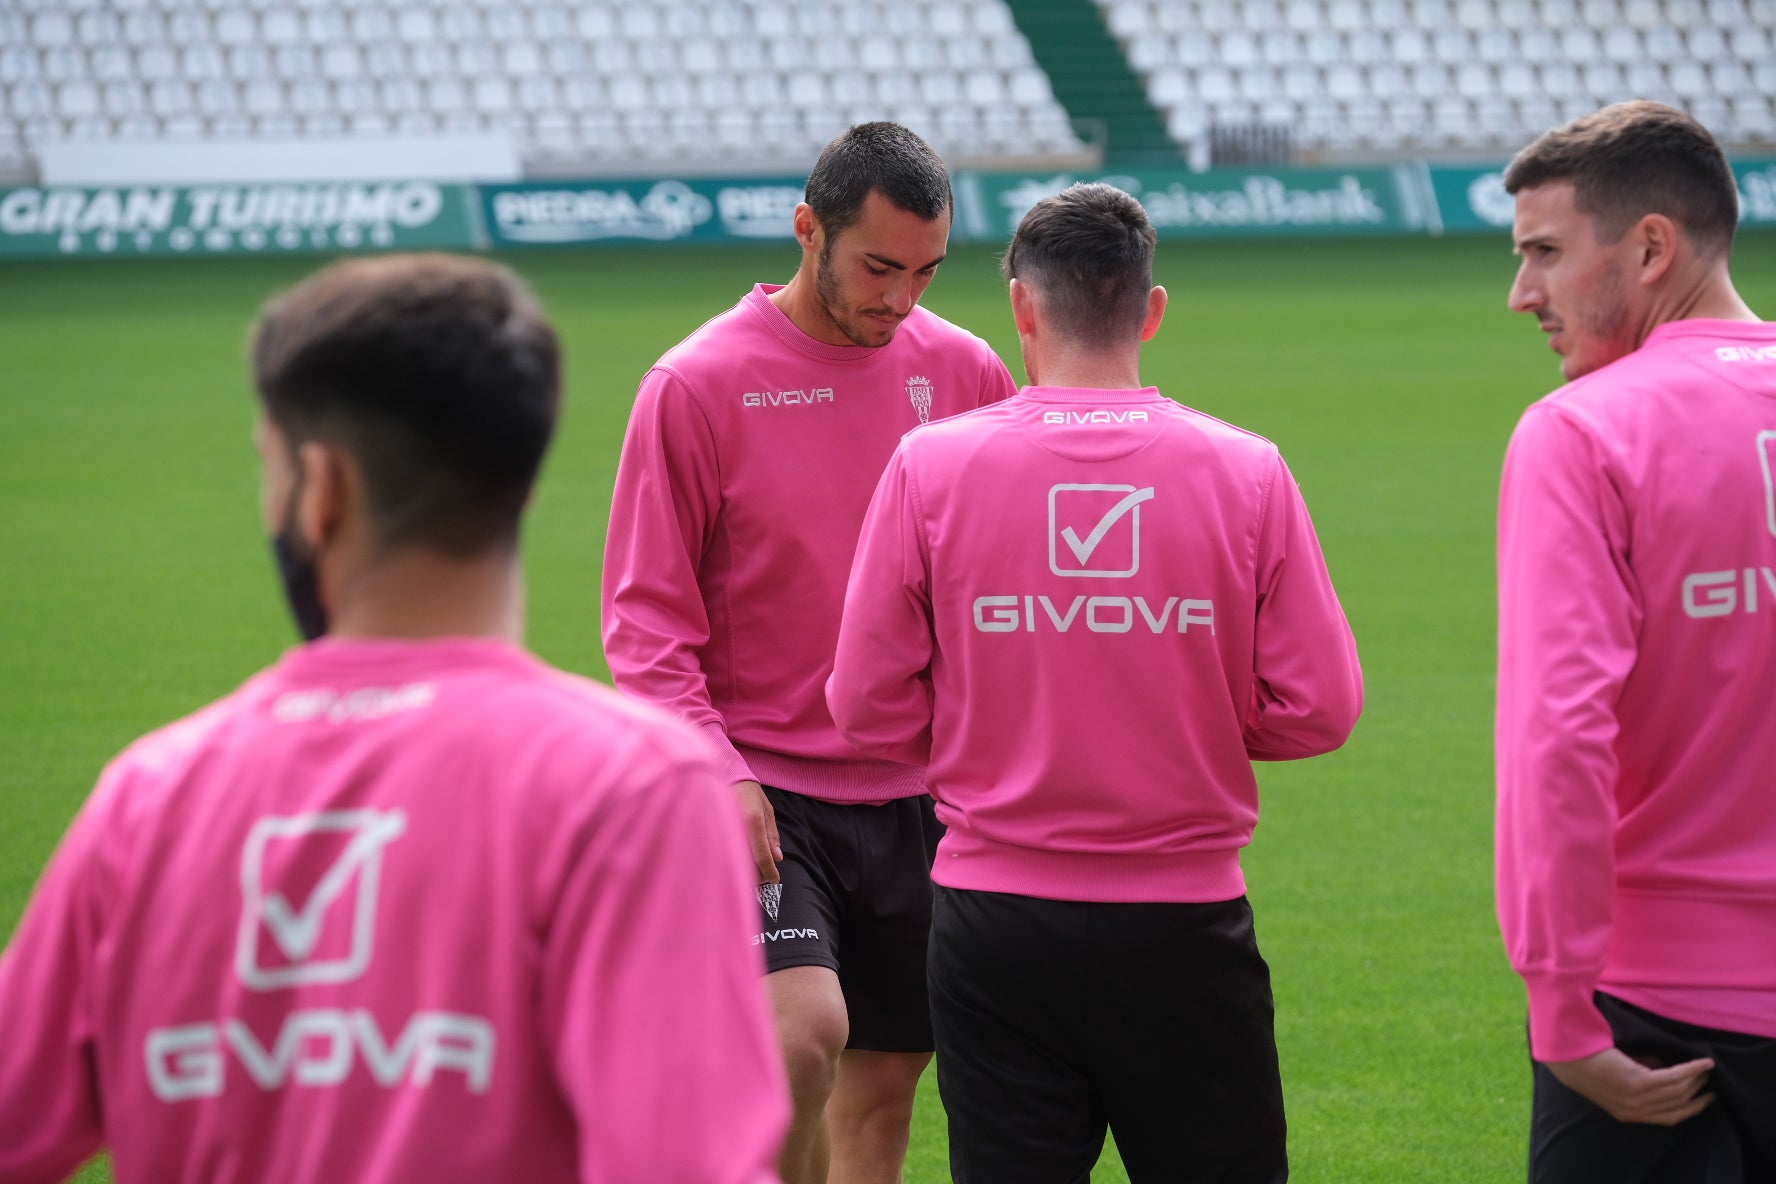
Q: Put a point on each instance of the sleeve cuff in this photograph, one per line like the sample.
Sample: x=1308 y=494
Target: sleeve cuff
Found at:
x=1564 y=1023
x=733 y=765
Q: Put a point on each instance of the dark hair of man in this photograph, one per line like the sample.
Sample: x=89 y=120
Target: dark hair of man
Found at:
x=437 y=374
x=882 y=158
x=1087 y=253
x=1634 y=159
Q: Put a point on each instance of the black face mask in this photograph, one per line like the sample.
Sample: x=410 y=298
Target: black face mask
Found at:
x=301 y=579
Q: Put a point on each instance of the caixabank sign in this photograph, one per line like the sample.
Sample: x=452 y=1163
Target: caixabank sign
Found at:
x=1224 y=203
x=236 y=219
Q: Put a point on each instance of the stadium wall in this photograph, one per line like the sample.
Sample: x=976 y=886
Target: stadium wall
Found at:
x=72 y=222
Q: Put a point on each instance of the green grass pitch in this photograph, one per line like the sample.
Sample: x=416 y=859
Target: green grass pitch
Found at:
x=136 y=586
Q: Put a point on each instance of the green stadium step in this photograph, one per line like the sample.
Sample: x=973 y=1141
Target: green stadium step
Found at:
x=1092 y=79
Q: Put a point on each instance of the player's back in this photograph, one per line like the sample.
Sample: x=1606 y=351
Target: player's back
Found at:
x=350 y=923
x=1097 y=564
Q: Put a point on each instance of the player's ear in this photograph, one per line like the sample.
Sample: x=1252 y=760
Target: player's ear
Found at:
x=326 y=489
x=807 y=227
x=1655 y=239
x=1023 y=307
x=1156 y=311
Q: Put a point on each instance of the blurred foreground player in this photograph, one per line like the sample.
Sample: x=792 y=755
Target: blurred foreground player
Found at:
x=1636 y=741
x=410 y=905
x=1090 y=609
x=746 y=470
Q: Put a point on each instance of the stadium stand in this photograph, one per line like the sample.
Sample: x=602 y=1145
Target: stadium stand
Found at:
x=602 y=86
x=1346 y=78
x=579 y=83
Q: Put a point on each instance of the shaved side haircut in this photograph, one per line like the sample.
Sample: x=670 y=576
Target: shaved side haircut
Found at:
x=1087 y=253
x=439 y=374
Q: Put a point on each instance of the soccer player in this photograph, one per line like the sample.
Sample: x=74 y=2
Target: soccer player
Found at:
x=1637 y=655
x=748 y=464
x=409 y=905
x=1090 y=609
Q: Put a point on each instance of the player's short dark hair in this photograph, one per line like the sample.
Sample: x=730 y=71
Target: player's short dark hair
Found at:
x=1087 y=252
x=438 y=374
x=883 y=158
x=1634 y=159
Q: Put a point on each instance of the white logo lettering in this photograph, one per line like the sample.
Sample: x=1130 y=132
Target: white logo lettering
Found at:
x=820 y=394
x=294 y=707
x=1099 y=508
x=759 y=939
x=1093 y=417
x=318 y=1048
x=1746 y=353
x=669 y=210
x=184 y=1062
x=295 y=932
x=1722 y=593
x=1766 y=448
x=1102 y=614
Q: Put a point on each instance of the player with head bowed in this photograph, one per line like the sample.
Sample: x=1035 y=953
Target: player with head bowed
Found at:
x=1637 y=652
x=1090 y=609
x=747 y=467
x=410 y=904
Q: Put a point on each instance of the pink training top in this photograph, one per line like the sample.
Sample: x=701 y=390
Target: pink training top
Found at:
x=1637 y=669
x=1091 y=610
x=746 y=471
x=397 y=911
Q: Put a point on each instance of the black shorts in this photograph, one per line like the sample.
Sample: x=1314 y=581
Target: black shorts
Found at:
x=1056 y=1019
x=856 y=898
x=1733 y=1141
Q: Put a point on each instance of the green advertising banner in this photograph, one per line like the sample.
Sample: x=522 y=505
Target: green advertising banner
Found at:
x=237 y=219
x=1221 y=203
x=1757 y=191
x=63 y=222
x=1473 y=197
x=585 y=213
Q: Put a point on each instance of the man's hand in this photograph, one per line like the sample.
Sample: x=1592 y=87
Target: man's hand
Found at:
x=761 y=829
x=1631 y=1090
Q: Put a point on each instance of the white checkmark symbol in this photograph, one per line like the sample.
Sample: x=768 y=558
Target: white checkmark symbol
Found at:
x=1082 y=548
x=296 y=931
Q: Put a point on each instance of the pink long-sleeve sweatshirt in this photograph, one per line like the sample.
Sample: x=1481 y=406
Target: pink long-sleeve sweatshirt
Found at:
x=747 y=467
x=396 y=912
x=1636 y=731
x=1091 y=610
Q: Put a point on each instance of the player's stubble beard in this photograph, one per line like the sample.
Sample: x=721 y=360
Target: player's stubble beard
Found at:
x=298 y=573
x=1602 y=320
x=832 y=302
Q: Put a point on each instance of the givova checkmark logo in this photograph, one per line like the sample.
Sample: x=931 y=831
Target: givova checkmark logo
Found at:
x=308 y=896
x=1095 y=530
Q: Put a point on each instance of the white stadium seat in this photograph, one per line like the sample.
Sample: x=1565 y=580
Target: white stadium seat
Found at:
x=765 y=79
x=1450 y=75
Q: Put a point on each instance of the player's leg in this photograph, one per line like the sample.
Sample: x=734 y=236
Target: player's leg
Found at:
x=1008 y=989
x=870 y=1114
x=799 y=930
x=810 y=1014
x=1573 y=1141
x=1184 y=1045
x=882 y=972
